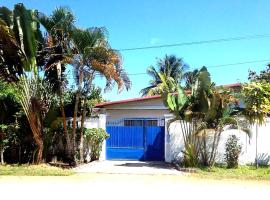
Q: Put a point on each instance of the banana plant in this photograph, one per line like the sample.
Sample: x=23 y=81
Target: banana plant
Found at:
x=204 y=112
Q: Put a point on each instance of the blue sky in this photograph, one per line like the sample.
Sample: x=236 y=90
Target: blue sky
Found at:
x=136 y=23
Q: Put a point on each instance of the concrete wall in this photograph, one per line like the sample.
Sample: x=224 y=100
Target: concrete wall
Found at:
x=174 y=144
x=99 y=122
x=91 y=123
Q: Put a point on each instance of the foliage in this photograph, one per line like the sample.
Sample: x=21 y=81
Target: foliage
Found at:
x=7 y=135
x=171 y=67
x=94 y=57
x=190 y=77
x=22 y=30
x=264 y=75
x=59 y=52
x=256 y=96
x=240 y=173
x=208 y=111
x=232 y=151
x=94 y=137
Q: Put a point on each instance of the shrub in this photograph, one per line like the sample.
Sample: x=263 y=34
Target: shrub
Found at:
x=94 y=138
x=232 y=151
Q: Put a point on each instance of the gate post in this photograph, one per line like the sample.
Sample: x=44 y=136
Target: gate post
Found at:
x=167 y=150
x=102 y=124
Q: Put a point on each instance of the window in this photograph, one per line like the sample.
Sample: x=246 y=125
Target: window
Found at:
x=140 y=122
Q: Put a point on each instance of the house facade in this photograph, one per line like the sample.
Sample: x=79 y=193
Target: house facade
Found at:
x=137 y=129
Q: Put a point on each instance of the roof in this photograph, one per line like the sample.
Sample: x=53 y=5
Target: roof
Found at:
x=102 y=105
x=232 y=85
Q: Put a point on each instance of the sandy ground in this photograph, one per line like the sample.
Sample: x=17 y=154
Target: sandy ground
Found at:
x=123 y=186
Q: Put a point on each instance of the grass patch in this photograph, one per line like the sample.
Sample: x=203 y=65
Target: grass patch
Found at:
x=33 y=170
x=241 y=173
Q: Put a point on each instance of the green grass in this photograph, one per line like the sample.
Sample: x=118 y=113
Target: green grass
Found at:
x=33 y=170
x=241 y=173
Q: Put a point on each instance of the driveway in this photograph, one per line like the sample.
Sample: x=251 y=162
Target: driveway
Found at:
x=128 y=167
x=132 y=187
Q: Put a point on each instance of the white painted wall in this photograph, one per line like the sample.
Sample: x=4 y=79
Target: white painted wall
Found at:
x=99 y=122
x=91 y=123
x=174 y=144
x=120 y=114
x=151 y=108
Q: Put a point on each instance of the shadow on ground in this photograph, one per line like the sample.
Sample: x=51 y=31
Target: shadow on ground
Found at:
x=153 y=164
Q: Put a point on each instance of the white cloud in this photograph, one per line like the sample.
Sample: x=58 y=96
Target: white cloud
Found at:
x=154 y=41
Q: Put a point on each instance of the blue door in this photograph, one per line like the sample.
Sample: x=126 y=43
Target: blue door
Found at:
x=154 y=144
x=142 y=142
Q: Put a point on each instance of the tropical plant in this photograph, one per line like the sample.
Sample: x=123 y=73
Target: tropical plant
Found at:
x=256 y=97
x=232 y=151
x=94 y=57
x=190 y=77
x=203 y=113
x=58 y=54
x=9 y=107
x=94 y=138
x=170 y=66
x=263 y=75
x=21 y=32
x=3 y=141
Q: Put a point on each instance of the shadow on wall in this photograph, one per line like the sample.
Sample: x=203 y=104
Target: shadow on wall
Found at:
x=175 y=143
x=264 y=159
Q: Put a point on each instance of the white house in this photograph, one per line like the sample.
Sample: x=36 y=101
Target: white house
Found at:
x=137 y=132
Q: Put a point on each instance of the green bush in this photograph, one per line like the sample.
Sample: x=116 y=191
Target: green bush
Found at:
x=94 y=138
x=232 y=151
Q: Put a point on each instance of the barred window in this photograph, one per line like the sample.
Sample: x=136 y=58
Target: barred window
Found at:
x=140 y=122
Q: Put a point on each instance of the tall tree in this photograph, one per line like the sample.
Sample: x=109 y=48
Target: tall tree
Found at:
x=59 y=26
x=263 y=75
x=170 y=66
x=256 y=96
x=20 y=41
x=94 y=57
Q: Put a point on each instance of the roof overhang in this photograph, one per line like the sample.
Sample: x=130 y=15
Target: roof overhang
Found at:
x=110 y=103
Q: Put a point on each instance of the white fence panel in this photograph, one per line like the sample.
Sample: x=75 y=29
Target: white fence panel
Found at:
x=174 y=144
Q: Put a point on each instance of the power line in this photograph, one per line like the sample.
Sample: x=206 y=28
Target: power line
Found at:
x=250 y=37
x=211 y=66
x=239 y=63
x=218 y=66
x=214 y=66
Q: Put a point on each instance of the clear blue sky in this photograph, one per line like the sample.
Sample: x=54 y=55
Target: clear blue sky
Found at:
x=135 y=23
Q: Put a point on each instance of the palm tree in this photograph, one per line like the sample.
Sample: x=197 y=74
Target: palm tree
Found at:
x=170 y=66
x=94 y=57
x=59 y=25
x=190 y=78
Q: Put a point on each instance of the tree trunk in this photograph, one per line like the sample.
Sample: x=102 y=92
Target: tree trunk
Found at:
x=77 y=100
x=36 y=130
x=81 y=131
x=74 y=122
x=39 y=152
x=64 y=120
x=256 y=159
x=2 y=156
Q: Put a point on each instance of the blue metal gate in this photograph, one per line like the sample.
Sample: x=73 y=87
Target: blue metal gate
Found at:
x=145 y=141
